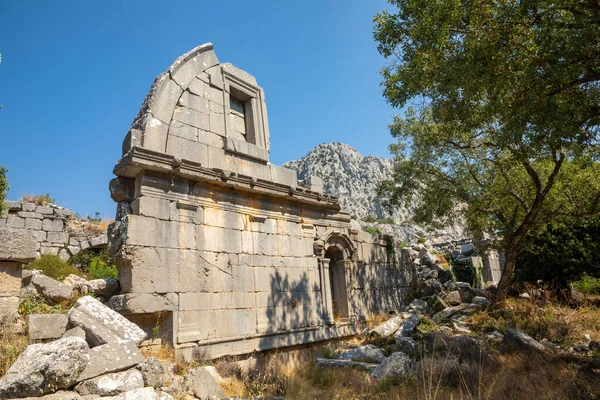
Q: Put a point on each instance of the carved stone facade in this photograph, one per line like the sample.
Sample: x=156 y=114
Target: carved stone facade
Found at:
x=228 y=251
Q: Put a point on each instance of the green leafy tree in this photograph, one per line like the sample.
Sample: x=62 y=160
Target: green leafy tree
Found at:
x=3 y=187
x=504 y=104
x=563 y=252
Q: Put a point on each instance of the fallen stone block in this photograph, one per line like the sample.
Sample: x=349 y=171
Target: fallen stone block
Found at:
x=103 y=325
x=405 y=322
x=60 y=395
x=47 y=326
x=452 y=298
x=45 y=368
x=153 y=372
x=53 y=291
x=74 y=332
x=111 y=357
x=146 y=393
x=420 y=307
x=397 y=364
x=103 y=287
x=203 y=384
x=446 y=314
x=407 y=345
x=332 y=363
x=515 y=339
x=112 y=384
x=408 y=326
x=367 y=353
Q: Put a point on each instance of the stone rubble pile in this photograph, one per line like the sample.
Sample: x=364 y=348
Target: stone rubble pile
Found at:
x=95 y=354
x=56 y=230
x=390 y=349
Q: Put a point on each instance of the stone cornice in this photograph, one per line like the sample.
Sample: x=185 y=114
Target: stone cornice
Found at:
x=140 y=159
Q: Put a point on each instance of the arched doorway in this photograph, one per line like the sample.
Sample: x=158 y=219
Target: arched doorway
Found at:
x=337 y=282
x=336 y=254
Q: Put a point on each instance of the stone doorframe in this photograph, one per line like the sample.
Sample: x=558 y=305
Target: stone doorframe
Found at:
x=340 y=242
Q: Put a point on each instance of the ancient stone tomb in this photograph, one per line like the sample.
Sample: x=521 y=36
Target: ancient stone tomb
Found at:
x=220 y=250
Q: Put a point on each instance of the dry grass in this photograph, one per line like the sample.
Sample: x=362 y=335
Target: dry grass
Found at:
x=96 y=227
x=556 y=322
x=11 y=344
x=434 y=377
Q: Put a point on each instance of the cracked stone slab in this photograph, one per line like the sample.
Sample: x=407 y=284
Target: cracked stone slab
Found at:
x=111 y=357
x=103 y=325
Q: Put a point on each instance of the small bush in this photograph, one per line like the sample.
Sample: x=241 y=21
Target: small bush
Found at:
x=54 y=267
x=99 y=270
x=370 y=219
x=39 y=199
x=373 y=231
x=587 y=285
x=464 y=272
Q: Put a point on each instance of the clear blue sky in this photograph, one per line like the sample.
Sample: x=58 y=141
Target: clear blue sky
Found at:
x=74 y=73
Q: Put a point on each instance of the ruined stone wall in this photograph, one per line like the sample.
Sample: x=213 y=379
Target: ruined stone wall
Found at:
x=54 y=228
x=220 y=249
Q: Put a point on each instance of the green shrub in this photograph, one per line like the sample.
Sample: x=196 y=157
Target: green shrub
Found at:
x=84 y=258
x=373 y=230
x=370 y=219
x=54 y=267
x=33 y=304
x=464 y=272
x=99 y=269
x=587 y=285
x=421 y=240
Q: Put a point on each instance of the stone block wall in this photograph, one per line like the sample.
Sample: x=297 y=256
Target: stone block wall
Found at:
x=229 y=253
x=55 y=229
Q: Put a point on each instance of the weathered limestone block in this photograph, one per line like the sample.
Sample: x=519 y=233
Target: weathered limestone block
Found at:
x=58 y=237
x=203 y=383
x=151 y=207
x=111 y=384
x=143 y=303
x=153 y=372
x=101 y=324
x=47 y=326
x=44 y=210
x=53 y=291
x=171 y=234
x=368 y=353
x=121 y=189
x=211 y=238
x=111 y=357
x=17 y=245
x=150 y=270
x=33 y=224
x=75 y=332
x=396 y=365
x=28 y=214
x=10 y=278
x=44 y=368
x=14 y=221
x=146 y=393
x=53 y=225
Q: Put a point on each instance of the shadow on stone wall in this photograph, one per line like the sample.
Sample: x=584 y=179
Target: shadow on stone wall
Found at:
x=292 y=306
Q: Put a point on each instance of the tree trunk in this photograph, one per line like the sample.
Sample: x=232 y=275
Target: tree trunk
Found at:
x=508 y=269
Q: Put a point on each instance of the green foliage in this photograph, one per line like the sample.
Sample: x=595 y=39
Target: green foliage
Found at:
x=84 y=258
x=505 y=116
x=562 y=252
x=390 y=249
x=33 y=304
x=464 y=272
x=445 y=276
x=54 y=267
x=3 y=187
x=370 y=219
x=373 y=230
x=587 y=285
x=99 y=269
x=421 y=240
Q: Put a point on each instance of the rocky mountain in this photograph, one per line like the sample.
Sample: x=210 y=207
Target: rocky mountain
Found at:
x=354 y=179
x=348 y=175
